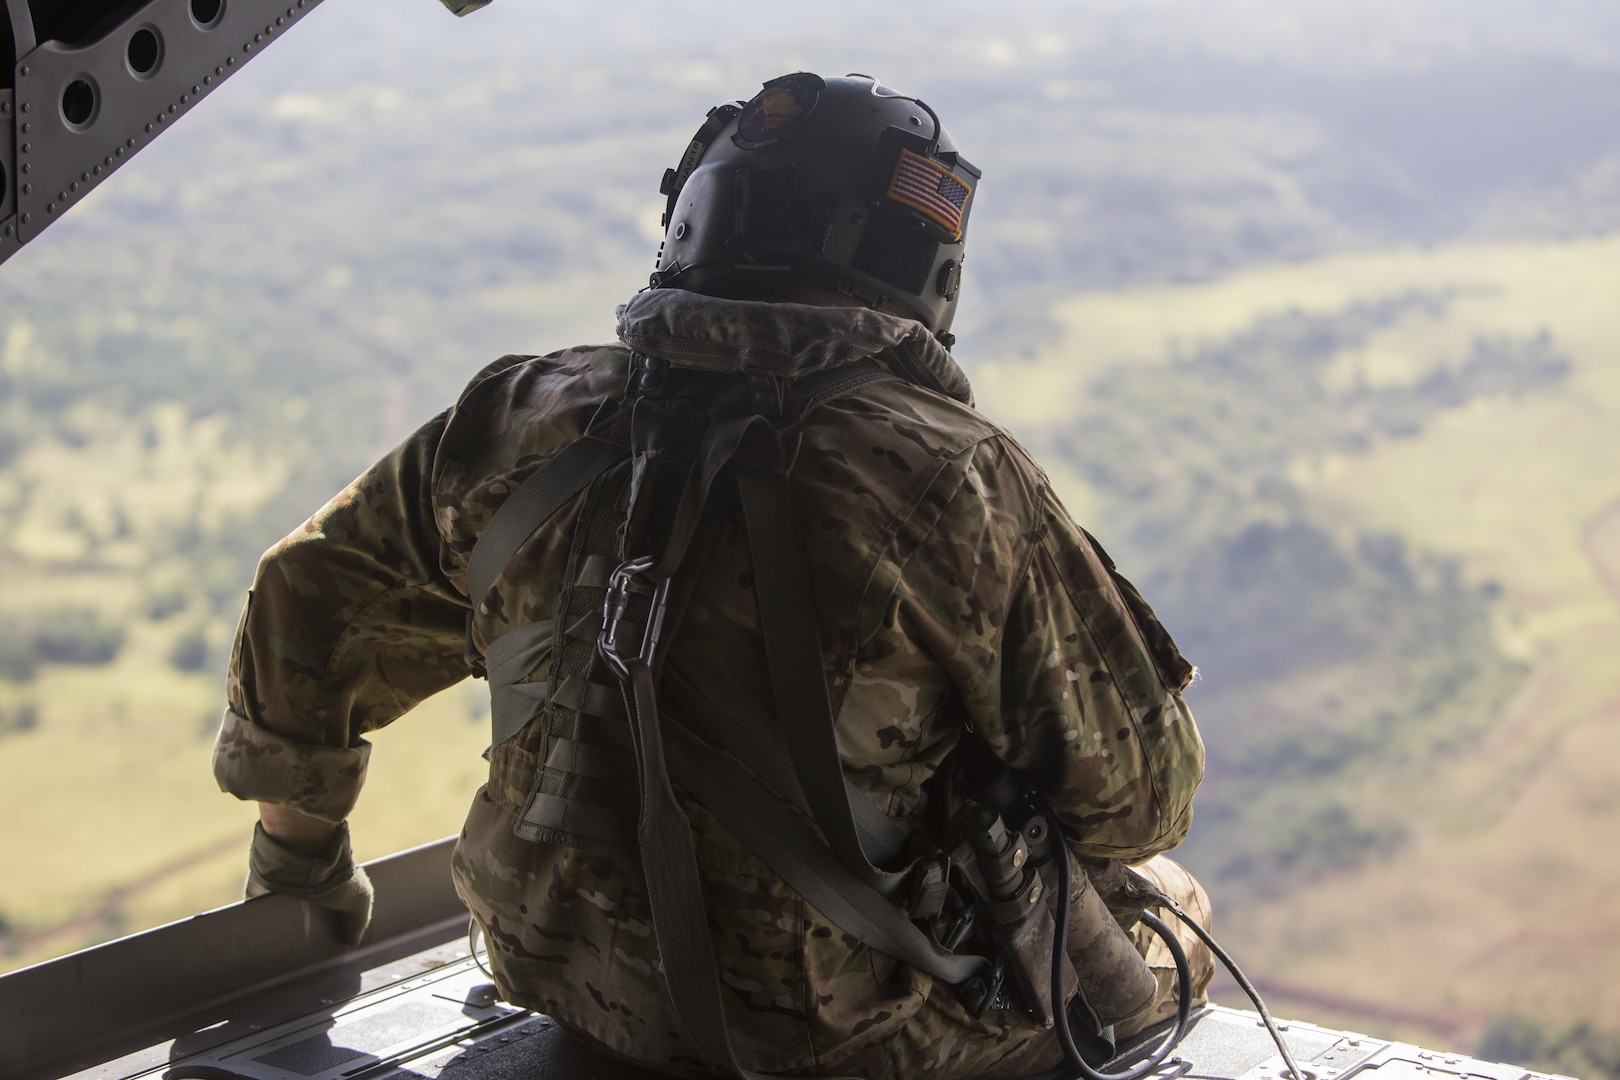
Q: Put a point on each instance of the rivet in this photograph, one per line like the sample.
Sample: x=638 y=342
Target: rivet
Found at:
x=230 y=61
x=171 y=110
x=96 y=170
x=26 y=148
x=160 y=115
x=184 y=99
x=196 y=89
x=248 y=47
x=257 y=38
x=84 y=176
x=219 y=71
x=28 y=189
x=25 y=128
x=73 y=186
x=130 y=143
x=148 y=127
x=281 y=20
x=208 y=80
x=27 y=168
x=5 y=108
x=26 y=218
x=23 y=70
x=107 y=160
x=26 y=106
x=119 y=151
x=7 y=229
x=50 y=208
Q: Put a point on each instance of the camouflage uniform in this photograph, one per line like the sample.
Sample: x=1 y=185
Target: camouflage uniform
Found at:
x=944 y=570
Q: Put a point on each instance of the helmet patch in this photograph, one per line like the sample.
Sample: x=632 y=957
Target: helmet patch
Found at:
x=776 y=112
x=924 y=184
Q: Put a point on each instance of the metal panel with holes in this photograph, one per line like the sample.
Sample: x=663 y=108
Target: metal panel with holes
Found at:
x=79 y=108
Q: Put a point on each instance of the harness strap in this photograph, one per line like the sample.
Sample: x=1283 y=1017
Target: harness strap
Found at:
x=588 y=820
x=538 y=497
x=591 y=698
x=800 y=858
x=787 y=613
x=590 y=759
x=675 y=886
x=729 y=719
x=510 y=658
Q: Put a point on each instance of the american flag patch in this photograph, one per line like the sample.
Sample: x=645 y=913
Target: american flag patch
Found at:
x=928 y=186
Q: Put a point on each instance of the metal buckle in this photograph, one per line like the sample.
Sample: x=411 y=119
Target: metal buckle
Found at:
x=622 y=584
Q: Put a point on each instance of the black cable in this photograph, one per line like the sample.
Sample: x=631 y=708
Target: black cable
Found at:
x=939 y=129
x=1221 y=954
x=1077 y=1068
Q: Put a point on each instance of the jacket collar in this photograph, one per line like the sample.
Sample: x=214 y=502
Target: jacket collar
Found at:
x=692 y=330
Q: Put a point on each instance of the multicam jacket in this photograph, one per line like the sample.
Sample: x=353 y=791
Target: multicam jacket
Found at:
x=949 y=582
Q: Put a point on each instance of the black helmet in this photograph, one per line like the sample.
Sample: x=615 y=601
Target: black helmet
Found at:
x=841 y=183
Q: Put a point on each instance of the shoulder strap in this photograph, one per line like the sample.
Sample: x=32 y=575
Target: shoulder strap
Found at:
x=780 y=839
x=728 y=718
x=538 y=497
x=788 y=623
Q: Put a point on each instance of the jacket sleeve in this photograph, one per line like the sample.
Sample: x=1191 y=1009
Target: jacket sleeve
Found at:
x=350 y=623
x=1062 y=667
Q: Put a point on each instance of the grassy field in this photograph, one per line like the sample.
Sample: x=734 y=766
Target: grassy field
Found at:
x=1502 y=899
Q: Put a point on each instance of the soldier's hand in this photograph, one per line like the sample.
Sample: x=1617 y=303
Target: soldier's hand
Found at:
x=331 y=879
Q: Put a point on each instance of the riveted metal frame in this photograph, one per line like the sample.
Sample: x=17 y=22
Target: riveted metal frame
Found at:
x=50 y=161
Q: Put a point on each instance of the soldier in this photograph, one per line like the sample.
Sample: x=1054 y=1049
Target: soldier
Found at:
x=768 y=523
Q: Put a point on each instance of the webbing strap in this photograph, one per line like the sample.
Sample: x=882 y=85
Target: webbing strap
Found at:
x=593 y=699
x=724 y=713
x=540 y=495
x=780 y=839
x=509 y=659
x=675 y=887
x=582 y=819
x=589 y=759
x=787 y=613
x=518 y=651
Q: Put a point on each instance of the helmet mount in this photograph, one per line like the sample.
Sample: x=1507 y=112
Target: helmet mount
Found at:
x=841 y=184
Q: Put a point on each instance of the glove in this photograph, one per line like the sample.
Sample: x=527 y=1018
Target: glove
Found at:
x=333 y=881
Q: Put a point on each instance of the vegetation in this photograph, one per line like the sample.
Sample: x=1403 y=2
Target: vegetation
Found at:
x=1190 y=465
x=1571 y=1050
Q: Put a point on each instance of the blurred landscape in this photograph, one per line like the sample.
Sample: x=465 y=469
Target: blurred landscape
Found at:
x=1311 y=311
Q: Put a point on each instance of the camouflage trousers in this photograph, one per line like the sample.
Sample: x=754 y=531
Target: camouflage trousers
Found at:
x=934 y=1044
